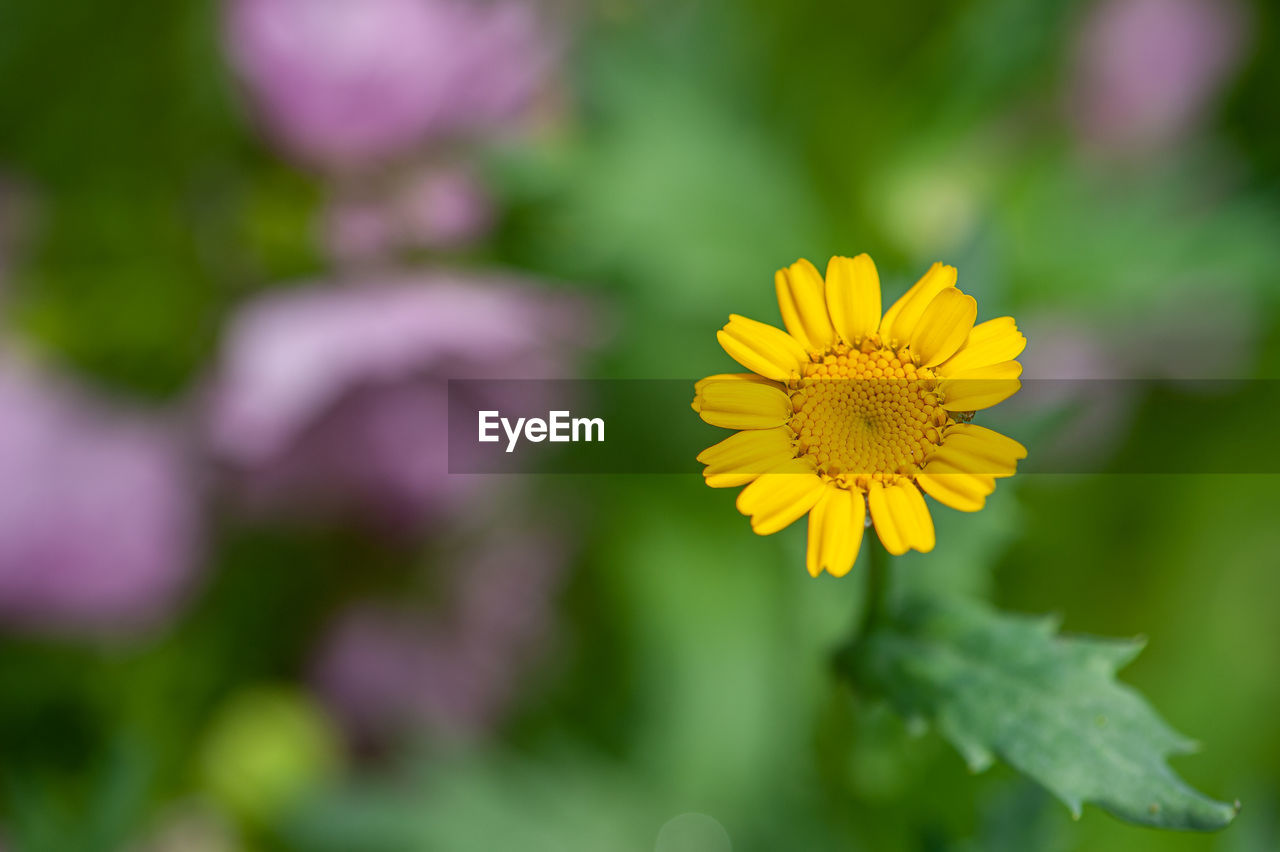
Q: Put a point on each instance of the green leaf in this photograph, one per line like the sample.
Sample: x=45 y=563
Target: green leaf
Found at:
x=1007 y=686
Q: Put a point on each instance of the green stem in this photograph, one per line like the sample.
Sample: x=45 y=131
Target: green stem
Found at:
x=877 y=586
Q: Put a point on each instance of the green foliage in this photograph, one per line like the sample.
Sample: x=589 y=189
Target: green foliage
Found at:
x=999 y=685
x=477 y=801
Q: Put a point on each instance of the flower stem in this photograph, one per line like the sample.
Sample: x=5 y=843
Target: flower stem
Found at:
x=873 y=604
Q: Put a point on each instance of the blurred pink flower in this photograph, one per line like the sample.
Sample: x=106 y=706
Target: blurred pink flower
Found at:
x=332 y=400
x=359 y=231
x=1145 y=71
x=444 y=207
x=98 y=511
x=433 y=207
x=346 y=82
x=390 y=668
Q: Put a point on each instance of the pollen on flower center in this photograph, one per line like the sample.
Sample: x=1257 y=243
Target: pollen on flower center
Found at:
x=865 y=416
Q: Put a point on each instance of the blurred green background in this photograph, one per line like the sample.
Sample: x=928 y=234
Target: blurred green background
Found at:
x=1108 y=173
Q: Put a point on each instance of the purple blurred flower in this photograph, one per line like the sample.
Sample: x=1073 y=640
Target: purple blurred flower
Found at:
x=346 y=82
x=433 y=207
x=332 y=400
x=1145 y=71
x=390 y=668
x=359 y=231
x=445 y=208
x=98 y=512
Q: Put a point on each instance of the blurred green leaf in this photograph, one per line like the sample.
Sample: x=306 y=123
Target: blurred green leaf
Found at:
x=1078 y=237
x=1009 y=686
x=482 y=801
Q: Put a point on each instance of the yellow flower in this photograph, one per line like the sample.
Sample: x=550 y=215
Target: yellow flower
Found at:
x=848 y=410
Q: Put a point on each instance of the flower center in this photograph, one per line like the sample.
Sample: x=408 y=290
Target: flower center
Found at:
x=867 y=414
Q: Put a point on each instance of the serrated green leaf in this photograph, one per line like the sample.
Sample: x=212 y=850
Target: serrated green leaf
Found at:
x=1007 y=686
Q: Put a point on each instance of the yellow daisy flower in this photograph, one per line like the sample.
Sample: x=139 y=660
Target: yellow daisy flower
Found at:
x=848 y=410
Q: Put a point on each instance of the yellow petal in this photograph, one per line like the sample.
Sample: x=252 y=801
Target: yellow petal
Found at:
x=761 y=348
x=804 y=310
x=728 y=480
x=987 y=443
x=777 y=499
x=915 y=518
x=835 y=531
x=742 y=447
x=901 y=518
x=944 y=325
x=1009 y=445
x=743 y=405
x=853 y=296
x=884 y=521
x=989 y=343
x=962 y=491
x=968 y=455
x=900 y=319
x=728 y=377
x=735 y=377
x=743 y=456
x=983 y=387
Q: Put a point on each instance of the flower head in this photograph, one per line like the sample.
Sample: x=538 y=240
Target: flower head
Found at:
x=1144 y=72
x=849 y=411
x=332 y=401
x=99 y=529
x=454 y=666
x=436 y=207
x=345 y=83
